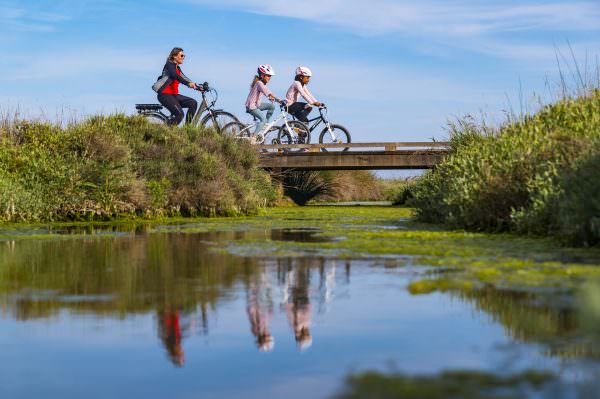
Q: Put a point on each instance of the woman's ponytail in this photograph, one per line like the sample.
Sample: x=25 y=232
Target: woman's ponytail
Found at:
x=256 y=79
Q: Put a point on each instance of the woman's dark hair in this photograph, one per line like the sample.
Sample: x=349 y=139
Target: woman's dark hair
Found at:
x=173 y=53
x=298 y=78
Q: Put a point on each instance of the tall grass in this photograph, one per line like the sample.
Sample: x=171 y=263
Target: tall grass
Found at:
x=532 y=175
x=109 y=166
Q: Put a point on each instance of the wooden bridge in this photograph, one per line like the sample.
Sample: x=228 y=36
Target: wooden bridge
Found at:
x=359 y=156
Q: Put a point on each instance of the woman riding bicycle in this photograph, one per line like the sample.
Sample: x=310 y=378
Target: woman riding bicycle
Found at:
x=258 y=88
x=167 y=87
x=300 y=110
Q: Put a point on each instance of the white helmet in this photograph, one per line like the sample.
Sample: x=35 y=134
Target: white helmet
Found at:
x=266 y=69
x=303 y=71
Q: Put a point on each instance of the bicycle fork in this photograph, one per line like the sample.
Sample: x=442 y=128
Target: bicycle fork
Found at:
x=333 y=137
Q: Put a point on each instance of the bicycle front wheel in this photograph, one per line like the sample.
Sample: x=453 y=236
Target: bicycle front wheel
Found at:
x=217 y=120
x=295 y=132
x=234 y=129
x=337 y=135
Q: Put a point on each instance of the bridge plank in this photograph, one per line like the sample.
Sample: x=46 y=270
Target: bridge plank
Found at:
x=353 y=160
x=388 y=146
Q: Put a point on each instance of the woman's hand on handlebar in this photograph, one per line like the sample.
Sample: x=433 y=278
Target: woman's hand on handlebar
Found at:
x=193 y=85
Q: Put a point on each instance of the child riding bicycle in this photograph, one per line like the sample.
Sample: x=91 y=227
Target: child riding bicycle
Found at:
x=300 y=110
x=258 y=88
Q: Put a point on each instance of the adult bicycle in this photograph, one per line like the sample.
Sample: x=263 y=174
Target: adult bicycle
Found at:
x=331 y=133
x=213 y=118
x=290 y=131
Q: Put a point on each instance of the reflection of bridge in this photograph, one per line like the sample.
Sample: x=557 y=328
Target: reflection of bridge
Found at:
x=407 y=155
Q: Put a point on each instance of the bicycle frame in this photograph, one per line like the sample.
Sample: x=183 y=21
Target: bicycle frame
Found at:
x=204 y=106
x=268 y=126
x=322 y=119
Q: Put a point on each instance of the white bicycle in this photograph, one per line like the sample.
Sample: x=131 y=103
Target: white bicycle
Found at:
x=290 y=132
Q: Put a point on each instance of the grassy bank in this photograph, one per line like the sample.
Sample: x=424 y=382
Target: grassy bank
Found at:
x=115 y=166
x=538 y=175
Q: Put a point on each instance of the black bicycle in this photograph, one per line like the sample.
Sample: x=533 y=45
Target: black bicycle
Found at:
x=332 y=133
x=215 y=118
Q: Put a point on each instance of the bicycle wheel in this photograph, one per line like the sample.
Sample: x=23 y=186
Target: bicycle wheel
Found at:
x=272 y=137
x=234 y=129
x=341 y=136
x=297 y=133
x=217 y=120
x=156 y=119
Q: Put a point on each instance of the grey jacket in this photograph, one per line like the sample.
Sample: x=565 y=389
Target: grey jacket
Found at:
x=169 y=74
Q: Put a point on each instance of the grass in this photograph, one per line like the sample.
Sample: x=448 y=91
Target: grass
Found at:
x=535 y=175
x=109 y=167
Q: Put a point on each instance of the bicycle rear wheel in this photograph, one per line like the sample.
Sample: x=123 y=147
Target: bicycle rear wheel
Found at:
x=156 y=119
x=217 y=120
x=295 y=132
x=341 y=136
x=234 y=129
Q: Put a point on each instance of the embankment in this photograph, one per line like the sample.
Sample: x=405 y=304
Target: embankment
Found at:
x=119 y=166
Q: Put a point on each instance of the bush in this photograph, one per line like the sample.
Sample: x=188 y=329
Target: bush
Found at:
x=512 y=178
x=108 y=166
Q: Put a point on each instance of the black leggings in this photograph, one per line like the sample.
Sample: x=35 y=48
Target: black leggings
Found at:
x=175 y=104
x=299 y=111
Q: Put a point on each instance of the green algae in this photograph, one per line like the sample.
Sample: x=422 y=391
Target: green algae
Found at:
x=467 y=384
x=455 y=260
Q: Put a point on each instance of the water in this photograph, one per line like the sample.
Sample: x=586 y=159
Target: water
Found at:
x=158 y=313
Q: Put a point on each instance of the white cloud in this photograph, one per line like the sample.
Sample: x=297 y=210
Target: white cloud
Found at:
x=18 y=19
x=459 y=18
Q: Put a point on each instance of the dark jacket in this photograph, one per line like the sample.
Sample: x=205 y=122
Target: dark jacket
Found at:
x=169 y=74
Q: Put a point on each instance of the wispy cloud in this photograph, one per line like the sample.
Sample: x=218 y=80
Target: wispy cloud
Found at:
x=19 y=19
x=458 y=18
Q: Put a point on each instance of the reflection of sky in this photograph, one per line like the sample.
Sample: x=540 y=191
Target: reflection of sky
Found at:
x=371 y=322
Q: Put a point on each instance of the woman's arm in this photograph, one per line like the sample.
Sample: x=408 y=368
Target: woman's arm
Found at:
x=172 y=73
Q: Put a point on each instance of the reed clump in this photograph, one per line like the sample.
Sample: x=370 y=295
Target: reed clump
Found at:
x=535 y=175
x=114 y=166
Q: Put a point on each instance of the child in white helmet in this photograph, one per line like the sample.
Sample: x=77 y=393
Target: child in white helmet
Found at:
x=301 y=109
x=258 y=88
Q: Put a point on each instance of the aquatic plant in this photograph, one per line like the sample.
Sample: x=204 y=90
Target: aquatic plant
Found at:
x=449 y=384
x=302 y=186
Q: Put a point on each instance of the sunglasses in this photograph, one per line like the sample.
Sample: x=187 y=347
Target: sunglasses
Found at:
x=181 y=55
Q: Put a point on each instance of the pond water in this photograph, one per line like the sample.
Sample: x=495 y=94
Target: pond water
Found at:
x=275 y=306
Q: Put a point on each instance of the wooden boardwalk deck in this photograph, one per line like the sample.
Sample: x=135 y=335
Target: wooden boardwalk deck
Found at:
x=360 y=156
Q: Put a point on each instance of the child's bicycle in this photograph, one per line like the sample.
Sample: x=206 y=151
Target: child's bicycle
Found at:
x=331 y=133
x=290 y=132
x=215 y=118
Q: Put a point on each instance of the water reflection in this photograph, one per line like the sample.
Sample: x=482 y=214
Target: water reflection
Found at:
x=183 y=279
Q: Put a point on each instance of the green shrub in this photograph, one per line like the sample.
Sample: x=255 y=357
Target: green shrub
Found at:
x=108 y=166
x=511 y=178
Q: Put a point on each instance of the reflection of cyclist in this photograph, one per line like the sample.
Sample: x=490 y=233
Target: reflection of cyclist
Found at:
x=300 y=109
x=260 y=310
x=298 y=307
x=258 y=88
x=170 y=333
x=167 y=87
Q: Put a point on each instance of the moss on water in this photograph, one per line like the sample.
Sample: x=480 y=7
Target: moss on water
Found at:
x=467 y=260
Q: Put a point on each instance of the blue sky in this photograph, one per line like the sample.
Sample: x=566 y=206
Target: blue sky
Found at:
x=390 y=70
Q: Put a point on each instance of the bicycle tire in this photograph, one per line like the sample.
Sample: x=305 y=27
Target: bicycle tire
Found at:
x=234 y=129
x=221 y=118
x=342 y=134
x=301 y=134
x=156 y=118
